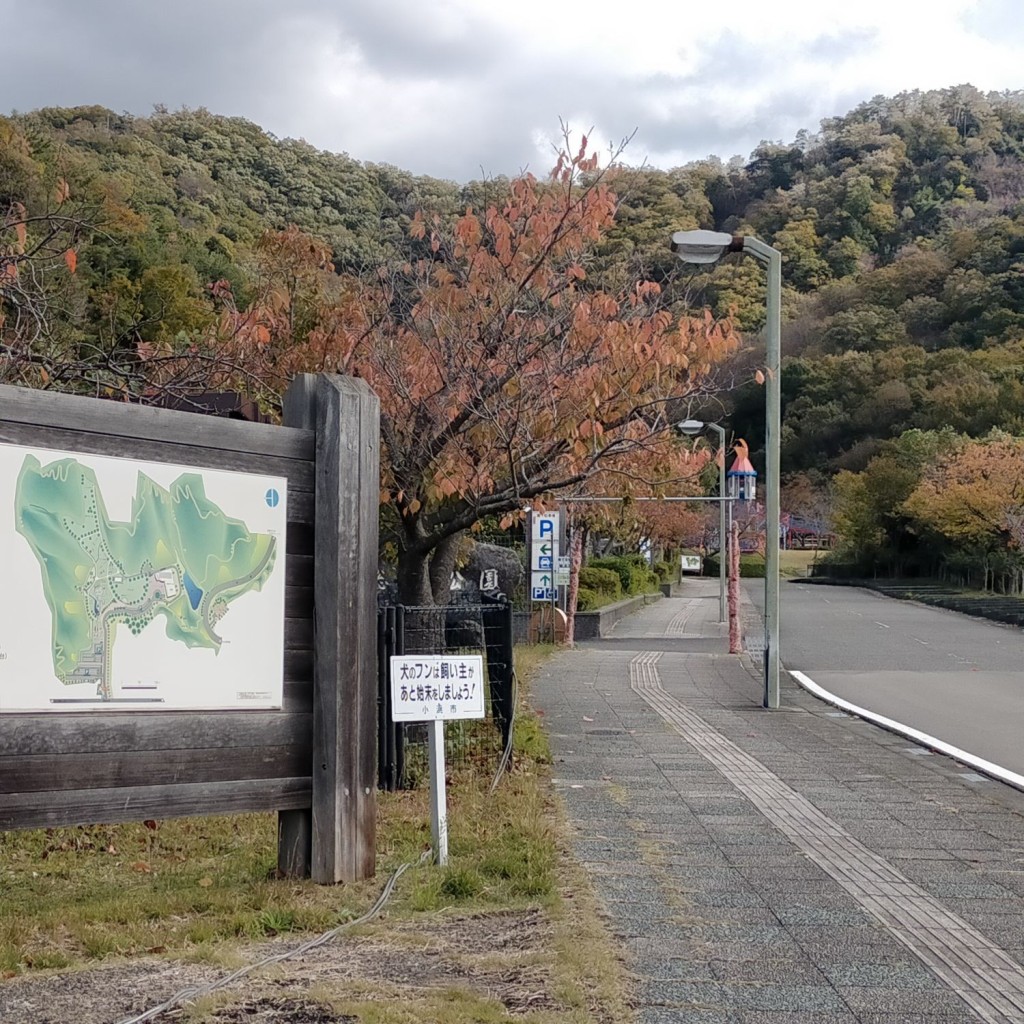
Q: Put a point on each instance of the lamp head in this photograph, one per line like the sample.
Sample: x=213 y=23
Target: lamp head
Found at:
x=690 y=427
x=705 y=246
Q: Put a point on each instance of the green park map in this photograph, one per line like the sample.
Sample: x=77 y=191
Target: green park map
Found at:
x=178 y=556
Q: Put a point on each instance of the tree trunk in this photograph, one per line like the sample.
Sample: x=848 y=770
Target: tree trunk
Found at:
x=442 y=565
x=576 y=544
x=425 y=576
x=414 y=577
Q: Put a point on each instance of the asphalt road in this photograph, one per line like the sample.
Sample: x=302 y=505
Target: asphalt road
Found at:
x=956 y=678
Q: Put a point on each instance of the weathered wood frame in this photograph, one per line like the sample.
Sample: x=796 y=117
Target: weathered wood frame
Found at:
x=314 y=760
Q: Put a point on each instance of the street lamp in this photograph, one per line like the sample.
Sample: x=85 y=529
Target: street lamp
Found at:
x=691 y=428
x=704 y=247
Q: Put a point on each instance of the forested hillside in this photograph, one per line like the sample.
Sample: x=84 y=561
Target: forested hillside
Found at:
x=901 y=226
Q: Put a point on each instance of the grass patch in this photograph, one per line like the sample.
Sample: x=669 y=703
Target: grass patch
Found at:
x=797 y=562
x=529 y=741
x=80 y=894
x=446 y=1006
x=502 y=846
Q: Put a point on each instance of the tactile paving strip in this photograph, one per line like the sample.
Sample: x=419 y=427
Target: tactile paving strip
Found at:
x=678 y=623
x=988 y=980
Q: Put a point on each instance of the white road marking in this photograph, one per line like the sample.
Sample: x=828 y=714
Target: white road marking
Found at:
x=989 y=768
x=882 y=624
x=920 y=641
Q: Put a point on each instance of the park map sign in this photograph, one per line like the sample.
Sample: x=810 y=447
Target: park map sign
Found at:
x=132 y=585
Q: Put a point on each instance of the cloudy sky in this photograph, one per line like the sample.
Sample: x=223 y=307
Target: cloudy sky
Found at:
x=456 y=87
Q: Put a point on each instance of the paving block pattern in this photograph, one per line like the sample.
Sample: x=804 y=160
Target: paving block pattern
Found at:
x=988 y=980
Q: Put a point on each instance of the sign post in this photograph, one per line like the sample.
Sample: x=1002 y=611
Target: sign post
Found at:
x=544 y=536
x=435 y=688
x=543 y=555
x=438 y=794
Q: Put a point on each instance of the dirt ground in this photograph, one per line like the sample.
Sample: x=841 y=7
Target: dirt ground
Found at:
x=501 y=956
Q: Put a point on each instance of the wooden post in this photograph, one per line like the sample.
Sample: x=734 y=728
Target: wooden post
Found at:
x=335 y=841
x=345 y=611
x=295 y=828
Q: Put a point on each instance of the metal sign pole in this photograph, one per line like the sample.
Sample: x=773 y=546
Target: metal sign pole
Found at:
x=438 y=797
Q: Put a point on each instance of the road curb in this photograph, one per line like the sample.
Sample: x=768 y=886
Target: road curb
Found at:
x=979 y=764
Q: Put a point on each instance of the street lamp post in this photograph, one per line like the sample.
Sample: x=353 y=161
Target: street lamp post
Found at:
x=704 y=247
x=692 y=427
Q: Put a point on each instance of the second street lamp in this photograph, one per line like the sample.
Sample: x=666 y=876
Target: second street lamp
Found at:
x=705 y=247
x=691 y=428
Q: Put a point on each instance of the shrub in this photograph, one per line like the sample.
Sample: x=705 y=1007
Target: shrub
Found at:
x=631 y=575
x=666 y=571
x=587 y=600
x=751 y=566
x=621 y=570
x=649 y=580
x=604 y=581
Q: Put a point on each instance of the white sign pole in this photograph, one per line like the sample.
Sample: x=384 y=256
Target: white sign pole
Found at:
x=438 y=798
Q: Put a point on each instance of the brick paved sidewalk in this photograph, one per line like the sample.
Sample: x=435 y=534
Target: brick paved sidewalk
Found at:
x=778 y=867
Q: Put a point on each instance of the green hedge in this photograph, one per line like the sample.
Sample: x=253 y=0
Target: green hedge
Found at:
x=666 y=572
x=603 y=581
x=751 y=566
x=635 y=576
x=649 y=580
x=587 y=600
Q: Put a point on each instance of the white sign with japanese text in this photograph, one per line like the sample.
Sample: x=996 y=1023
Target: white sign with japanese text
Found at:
x=562 y=571
x=436 y=687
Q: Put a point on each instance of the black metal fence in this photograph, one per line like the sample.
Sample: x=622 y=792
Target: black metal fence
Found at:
x=482 y=628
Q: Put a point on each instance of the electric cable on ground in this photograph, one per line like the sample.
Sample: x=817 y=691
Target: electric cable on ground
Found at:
x=507 y=752
x=194 y=992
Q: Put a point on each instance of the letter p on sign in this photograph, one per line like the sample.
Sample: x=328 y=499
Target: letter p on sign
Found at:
x=545 y=526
